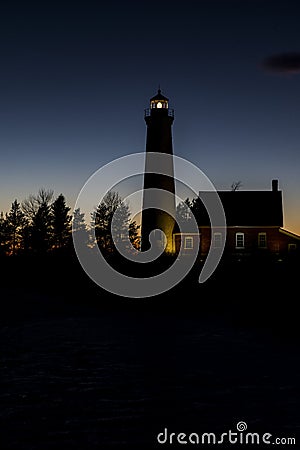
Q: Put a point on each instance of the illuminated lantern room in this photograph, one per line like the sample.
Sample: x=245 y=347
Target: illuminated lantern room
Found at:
x=159 y=107
x=159 y=101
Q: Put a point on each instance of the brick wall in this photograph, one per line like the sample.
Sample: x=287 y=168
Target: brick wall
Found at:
x=276 y=241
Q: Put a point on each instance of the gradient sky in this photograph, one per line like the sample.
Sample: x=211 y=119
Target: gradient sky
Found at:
x=75 y=79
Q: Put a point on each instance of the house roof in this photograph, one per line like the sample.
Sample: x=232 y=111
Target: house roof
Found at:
x=289 y=233
x=245 y=208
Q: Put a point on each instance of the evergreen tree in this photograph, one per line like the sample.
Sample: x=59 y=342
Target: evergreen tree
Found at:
x=41 y=230
x=61 y=223
x=15 y=223
x=79 y=226
x=4 y=243
x=100 y=225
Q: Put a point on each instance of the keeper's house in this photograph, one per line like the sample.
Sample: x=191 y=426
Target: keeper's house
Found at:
x=254 y=226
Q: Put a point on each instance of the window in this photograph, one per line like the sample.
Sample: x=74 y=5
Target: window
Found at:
x=262 y=240
x=217 y=240
x=239 y=240
x=188 y=242
x=292 y=247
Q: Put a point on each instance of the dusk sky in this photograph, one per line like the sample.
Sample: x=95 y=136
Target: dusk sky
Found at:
x=76 y=76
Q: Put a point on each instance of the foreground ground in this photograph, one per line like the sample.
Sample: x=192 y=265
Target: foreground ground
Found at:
x=81 y=369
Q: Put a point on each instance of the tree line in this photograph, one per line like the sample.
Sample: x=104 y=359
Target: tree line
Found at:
x=42 y=224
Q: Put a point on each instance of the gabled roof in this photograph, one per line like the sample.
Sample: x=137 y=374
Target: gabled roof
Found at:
x=289 y=233
x=246 y=208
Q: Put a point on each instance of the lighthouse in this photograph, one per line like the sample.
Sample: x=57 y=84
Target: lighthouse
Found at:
x=159 y=175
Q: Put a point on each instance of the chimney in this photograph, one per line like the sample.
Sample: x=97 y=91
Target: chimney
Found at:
x=274 y=185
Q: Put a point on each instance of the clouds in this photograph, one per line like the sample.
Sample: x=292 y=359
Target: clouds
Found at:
x=283 y=63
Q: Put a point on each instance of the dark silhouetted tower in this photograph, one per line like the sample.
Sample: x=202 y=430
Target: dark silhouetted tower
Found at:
x=159 y=119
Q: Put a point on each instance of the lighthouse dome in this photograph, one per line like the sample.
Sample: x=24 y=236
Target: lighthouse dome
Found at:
x=159 y=101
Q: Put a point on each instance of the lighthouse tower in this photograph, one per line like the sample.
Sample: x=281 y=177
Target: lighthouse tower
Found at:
x=159 y=119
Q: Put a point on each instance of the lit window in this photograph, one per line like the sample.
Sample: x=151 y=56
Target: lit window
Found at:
x=292 y=247
x=239 y=240
x=188 y=242
x=217 y=240
x=262 y=240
